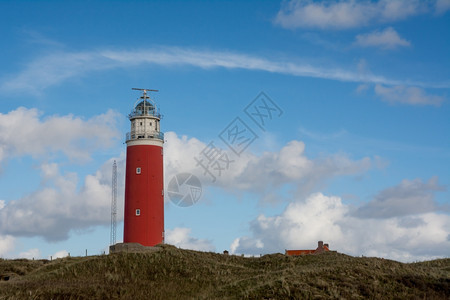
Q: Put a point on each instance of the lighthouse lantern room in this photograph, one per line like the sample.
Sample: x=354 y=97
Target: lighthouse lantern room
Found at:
x=144 y=186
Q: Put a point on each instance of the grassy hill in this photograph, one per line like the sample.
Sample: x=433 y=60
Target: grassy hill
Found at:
x=183 y=274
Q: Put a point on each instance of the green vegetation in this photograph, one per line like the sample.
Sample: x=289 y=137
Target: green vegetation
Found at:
x=183 y=274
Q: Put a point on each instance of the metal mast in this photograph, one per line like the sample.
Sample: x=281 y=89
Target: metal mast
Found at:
x=114 y=204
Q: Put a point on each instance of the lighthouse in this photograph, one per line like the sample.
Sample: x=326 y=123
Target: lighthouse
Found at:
x=144 y=187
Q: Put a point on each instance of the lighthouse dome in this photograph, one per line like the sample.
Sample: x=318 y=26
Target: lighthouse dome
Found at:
x=145 y=108
x=144 y=104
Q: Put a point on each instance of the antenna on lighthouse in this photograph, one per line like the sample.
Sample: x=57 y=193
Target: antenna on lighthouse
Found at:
x=114 y=204
x=144 y=92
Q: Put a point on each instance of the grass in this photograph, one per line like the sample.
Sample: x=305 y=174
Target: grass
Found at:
x=184 y=274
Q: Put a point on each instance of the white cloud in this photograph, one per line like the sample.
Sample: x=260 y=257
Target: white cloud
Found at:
x=181 y=238
x=24 y=132
x=262 y=174
x=408 y=198
x=320 y=217
x=60 y=254
x=56 y=68
x=33 y=253
x=7 y=244
x=407 y=95
x=58 y=206
x=247 y=243
x=387 y=39
x=345 y=14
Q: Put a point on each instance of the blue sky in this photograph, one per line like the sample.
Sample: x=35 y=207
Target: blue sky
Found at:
x=357 y=154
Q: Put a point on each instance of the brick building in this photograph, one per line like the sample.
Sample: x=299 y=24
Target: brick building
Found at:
x=321 y=247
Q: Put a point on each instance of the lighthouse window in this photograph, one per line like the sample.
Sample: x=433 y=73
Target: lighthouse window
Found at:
x=138 y=170
x=138 y=212
x=141 y=123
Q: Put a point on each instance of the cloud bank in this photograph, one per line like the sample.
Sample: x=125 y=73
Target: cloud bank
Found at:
x=406 y=236
x=262 y=174
x=24 y=132
x=58 y=206
x=410 y=197
x=61 y=204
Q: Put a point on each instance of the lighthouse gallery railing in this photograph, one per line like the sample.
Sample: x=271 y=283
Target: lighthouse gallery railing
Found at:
x=141 y=135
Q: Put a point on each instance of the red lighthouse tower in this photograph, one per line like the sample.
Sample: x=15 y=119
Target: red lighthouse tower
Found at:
x=144 y=189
